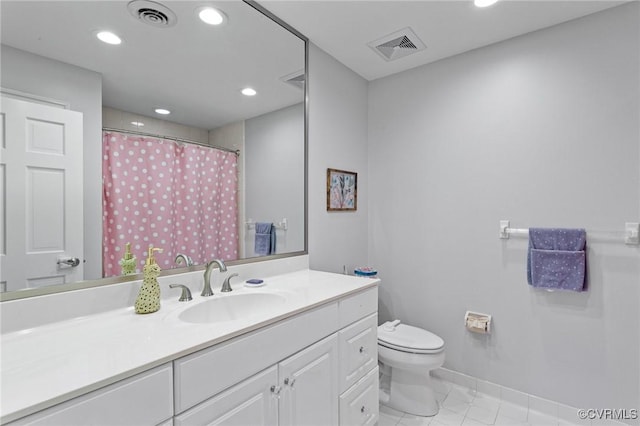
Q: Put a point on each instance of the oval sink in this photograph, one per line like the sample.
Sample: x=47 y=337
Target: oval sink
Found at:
x=231 y=308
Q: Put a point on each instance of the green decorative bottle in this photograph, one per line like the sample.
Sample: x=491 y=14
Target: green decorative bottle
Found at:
x=148 y=300
x=128 y=262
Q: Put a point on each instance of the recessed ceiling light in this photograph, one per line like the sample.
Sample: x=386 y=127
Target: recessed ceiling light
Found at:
x=211 y=16
x=162 y=111
x=484 y=3
x=248 y=91
x=137 y=123
x=108 y=37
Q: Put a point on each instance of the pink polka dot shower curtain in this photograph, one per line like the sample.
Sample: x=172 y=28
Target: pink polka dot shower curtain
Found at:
x=180 y=197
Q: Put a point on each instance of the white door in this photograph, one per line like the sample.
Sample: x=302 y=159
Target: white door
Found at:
x=41 y=194
x=249 y=403
x=309 y=381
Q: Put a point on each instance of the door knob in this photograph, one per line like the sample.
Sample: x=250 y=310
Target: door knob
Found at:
x=68 y=261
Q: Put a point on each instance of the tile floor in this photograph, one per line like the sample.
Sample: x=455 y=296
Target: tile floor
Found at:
x=461 y=406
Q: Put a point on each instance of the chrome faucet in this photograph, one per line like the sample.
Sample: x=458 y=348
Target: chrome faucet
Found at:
x=206 y=291
x=226 y=285
x=183 y=258
x=185 y=296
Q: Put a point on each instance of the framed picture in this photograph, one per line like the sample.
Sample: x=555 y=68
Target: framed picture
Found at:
x=342 y=190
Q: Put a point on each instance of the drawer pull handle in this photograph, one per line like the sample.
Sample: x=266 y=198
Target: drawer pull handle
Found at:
x=362 y=410
x=289 y=382
x=362 y=349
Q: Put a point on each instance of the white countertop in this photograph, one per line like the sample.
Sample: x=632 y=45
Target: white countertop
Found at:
x=47 y=365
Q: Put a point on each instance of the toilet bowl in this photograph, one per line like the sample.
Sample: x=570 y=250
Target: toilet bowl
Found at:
x=407 y=354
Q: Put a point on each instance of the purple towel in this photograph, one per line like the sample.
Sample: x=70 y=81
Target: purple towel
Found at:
x=556 y=258
x=265 y=240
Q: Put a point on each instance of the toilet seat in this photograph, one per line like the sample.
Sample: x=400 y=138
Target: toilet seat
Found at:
x=406 y=338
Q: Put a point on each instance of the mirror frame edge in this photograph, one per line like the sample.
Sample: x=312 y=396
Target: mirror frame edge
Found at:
x=81 y=285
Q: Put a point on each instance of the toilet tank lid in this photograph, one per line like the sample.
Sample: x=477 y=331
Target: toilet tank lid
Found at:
x=407 y=336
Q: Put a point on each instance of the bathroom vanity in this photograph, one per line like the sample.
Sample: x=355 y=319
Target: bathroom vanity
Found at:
x=303 y=350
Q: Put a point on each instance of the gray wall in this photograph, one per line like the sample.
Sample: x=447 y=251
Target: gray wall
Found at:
x=543 y=130
x=232 y=136
x=273 y=143
x=82 y=89
x=337 y=140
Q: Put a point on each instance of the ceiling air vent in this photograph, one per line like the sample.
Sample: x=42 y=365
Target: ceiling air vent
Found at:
x=296 y=79
x=397 y=45
x=152 y=13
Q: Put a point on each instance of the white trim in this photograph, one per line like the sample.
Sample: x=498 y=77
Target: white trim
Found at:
x=24 y=96
x=564 y=413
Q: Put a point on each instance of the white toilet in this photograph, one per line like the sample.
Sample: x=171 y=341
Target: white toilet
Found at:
x=407 y=354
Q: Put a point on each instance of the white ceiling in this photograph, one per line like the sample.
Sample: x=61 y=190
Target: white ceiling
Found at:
x=197 y=70
x=193 y=69
x=447 y=27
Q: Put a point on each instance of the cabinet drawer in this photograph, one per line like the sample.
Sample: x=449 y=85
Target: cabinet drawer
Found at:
x=145 y=399
x=358 y=306
x=358 y=350
x=359 y=405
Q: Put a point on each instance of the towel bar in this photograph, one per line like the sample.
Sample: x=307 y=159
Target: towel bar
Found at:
x=630 y=236
x=283 y=224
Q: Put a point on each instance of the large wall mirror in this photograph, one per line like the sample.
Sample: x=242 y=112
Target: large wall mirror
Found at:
x=108 y=149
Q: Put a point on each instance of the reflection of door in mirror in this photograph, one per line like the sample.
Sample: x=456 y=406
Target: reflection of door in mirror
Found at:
x=44 y=144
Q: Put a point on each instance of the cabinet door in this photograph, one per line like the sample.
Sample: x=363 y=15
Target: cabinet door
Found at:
x=251 y=402
x=309 y=382
x=145 y=399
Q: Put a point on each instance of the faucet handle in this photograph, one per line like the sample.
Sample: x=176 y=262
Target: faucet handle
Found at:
x=226 y=285
x=186 y=293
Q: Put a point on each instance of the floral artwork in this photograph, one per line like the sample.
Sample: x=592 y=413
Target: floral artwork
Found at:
x=342 y=190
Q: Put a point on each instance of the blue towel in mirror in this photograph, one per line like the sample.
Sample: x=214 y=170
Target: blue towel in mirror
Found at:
x=556 y=258
x=265 y=242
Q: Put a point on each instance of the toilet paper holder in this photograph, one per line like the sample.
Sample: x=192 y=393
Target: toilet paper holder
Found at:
x=477 y=322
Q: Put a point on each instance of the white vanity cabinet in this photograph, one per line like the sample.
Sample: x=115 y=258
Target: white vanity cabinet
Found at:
x=206 y=373
x=323 y=383
x=144 y=399
x=315 y=365
x=301 y=390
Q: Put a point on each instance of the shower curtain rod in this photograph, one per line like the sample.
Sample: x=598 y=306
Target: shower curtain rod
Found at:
x=171 y=138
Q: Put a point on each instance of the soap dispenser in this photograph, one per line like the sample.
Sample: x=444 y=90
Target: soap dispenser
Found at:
x=128 y=261
x=148 y=300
